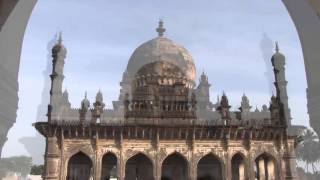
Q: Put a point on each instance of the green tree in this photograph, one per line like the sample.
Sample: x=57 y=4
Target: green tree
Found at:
x=308 y=150
x=18 y=164
x=36 y=170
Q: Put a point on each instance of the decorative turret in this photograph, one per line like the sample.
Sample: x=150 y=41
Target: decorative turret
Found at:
x=98 y=107
x=245 y=107
x=160 y=28
x=274 y=110
x=224 y=107
x=85 y=103
x=65 y=97
x=203 y=93
x=58 y=56
x=278 y=62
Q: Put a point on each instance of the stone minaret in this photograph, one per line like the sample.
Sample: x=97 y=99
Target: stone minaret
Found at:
x=58 y=56
x=203 y=93
x=278 y=63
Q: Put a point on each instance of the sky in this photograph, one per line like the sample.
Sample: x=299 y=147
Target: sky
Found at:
x=223 y=37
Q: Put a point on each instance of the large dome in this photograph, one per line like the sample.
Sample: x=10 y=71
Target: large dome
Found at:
x=164 y=50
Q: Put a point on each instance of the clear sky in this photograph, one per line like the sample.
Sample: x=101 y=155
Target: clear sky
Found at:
x=100 y=35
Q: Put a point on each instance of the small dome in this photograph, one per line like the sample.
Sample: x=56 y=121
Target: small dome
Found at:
x=278 y=59
x=164 y=50
x=85 y=103
x=59 y=47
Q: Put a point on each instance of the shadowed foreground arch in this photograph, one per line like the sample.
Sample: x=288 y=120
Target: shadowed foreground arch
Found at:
x=79 y=167
x=174 y=167
x=139 y=167
x=239 y=168
x=209 y=168
x=266 y=167
x=109 y=166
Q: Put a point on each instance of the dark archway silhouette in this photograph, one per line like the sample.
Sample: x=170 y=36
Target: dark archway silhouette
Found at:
x=266 y=167
x=139 y=167
x=238 y=167
x=109 y=166
x=209 y=168
x=79 y=167
x=174 y=167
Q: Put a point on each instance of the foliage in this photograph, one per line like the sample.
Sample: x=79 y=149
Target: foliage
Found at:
x=36 y=170
x=18 y=164
x=308 y=150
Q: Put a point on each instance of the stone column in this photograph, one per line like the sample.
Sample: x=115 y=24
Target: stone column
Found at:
x=228 y=168
x=52 y=159
x=290 y=166
x=262 y=170
x=251 y=168
x=97 y=169
x=271 y=170
x=157 y=171
x=242 y=173
x=122 y=167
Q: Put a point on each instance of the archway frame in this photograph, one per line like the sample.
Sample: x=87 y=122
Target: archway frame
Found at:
x=247 y=168
x=153 y=163
x=220 y=160
x=72 y=154
x=277 y=162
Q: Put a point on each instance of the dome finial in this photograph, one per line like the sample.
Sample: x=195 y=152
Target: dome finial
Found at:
x=277 y=47
x=60 y=38
x=160 y=28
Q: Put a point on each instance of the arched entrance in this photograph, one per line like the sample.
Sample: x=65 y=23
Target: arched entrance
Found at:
x=139 y=167
x=238 y=167
x=209 y=168
x=109 y=166
x=174 y=167
x=79 y=167
x=266 y=167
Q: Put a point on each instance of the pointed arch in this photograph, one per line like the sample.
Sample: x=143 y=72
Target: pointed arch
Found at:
x=139 y=166
x=175 y=167
x=109 y=166
x=266 y=167
x=210 y=167
x=239 y=166
x=79 y=167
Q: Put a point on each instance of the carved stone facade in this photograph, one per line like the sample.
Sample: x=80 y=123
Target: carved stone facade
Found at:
x=163 y=127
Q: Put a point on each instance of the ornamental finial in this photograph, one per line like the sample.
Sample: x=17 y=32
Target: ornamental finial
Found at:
x=60 y=38
x=277 y=47
x=160 y=28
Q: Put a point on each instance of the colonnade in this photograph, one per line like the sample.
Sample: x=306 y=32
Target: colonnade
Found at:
x=173 y=167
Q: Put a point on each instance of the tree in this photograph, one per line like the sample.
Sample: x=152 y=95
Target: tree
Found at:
x=18 y=164
x=36 y=170
x=308 y=150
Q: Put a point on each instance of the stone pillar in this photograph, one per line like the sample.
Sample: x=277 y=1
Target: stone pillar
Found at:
x=192 y=170
x=290 y=167
x=261 y=170
x=122 y=167
x=157 y=171
x=97 y=169
x=271 y=170
x=52 y=159
x=228 y=168
x=242 y=173
x=251 y=168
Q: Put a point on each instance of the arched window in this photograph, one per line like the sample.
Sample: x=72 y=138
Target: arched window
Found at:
x=209 y=168
x=109 y=166
x=139 y=167
x=266 y=167
x=174 y=167
x=79 y=167
x=238 y=167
